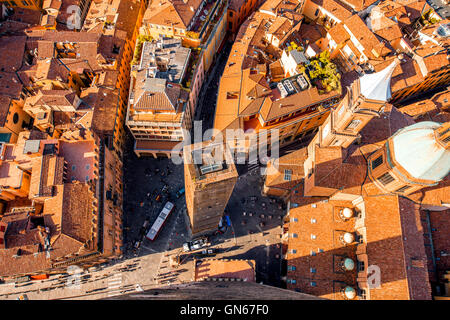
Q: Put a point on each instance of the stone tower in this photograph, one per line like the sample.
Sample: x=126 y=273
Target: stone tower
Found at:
x=209 y=178
x=364 y=100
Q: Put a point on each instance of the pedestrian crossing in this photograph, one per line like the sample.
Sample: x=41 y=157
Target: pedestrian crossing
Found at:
x=115 y=285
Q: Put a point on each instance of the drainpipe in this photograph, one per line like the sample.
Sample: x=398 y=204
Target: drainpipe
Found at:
x=433 y=258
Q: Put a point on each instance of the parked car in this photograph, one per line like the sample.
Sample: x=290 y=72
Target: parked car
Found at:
x=137 y=244
x=196 y=244
x=143 y=230
x=208 y=252
x=180 y=193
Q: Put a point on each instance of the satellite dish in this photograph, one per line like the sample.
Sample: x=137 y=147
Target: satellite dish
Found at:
x=349 y=264
x=350 y=292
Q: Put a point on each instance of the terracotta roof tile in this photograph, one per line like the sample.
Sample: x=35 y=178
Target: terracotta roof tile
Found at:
x=275 y=173
x=4 y=108
x=336 y=8
x=393 y=248
x=77 y=212
x=373 y=48
x=12 y=50
x=275 y=109
x=338 y=33
x=419 y=108
x=216 y=268
x=358 y=5
x=29 y=16
x=176 y=13
x=390 y=33
x=319 y=252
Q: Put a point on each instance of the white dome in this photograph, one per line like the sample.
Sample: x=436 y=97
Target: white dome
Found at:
x=350 y=292
x=349 y=264
x=347 y=213
x=417 y=150
x=349 y=237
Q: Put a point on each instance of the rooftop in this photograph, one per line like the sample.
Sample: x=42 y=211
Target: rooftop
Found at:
x=373 y=47
x=246 y=86
x=315 y=242
x=335 y=7
x=68 y=219
x=175 y=13
x=225 y=269
x=165 y=59
x=209 y=161
x=112 y=16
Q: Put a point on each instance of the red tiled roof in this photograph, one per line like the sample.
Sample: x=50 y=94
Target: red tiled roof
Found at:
x=339 y=34
x=373 y=48
x=176 y=13
x=395 y=248
x=334 y=7
x=276 y=170
x=319 y=251
x=216 y=268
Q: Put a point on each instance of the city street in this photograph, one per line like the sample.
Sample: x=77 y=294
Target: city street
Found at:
x=255 y=230
x=206 y=104
x=254 y=234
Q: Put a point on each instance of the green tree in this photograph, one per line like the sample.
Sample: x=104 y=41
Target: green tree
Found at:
x=323 y=69
x=324 y=57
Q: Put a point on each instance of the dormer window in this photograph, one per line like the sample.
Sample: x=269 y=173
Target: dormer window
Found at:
x=377 y=162
x=232 y=95
x=386 y=178
x=402 y=189
x=287 y=175
x=354 y=124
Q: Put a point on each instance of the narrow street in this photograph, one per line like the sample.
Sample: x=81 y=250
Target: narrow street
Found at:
x=206 y=105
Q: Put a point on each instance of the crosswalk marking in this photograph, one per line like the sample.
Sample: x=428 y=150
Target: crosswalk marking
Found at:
x=114 y=284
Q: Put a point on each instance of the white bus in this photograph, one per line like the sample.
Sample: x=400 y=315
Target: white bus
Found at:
x=158 y=224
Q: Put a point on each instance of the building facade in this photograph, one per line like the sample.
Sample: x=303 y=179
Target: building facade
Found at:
x=352 y=210
x=159 y=112
x=258 y=95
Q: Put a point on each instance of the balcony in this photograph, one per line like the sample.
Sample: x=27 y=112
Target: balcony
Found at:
x=216 y=15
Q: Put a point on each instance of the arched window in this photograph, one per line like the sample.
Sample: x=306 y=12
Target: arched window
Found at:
x=377 y=162
x=15 y=118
